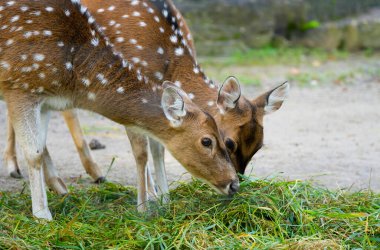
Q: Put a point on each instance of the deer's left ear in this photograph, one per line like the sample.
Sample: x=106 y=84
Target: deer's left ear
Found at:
x=229 y=94
x=272 y=100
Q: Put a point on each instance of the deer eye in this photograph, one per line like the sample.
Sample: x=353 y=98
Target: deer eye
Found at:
x=230 y=144
x=207 y=142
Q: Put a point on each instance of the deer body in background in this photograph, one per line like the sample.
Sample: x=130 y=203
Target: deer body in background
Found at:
x=54 y=56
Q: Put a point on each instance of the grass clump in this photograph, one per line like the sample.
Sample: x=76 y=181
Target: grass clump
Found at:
x=265 y=214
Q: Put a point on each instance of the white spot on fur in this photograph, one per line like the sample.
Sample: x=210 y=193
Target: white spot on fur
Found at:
x=49 y=9
x=101 y=79
x=142 y=24
x=9 y=42
x=95 y=41
x=134 y=2
x=136 y=13
x=160 y=50
x=174 y=39
x=28 y=34
x=135 y=59
x=120 y=39
x=120 y=90
x=100 y=10
x=15 y=18
x=91 y=20
x=86 y=82
x=47 y=33
x=67 y=13
x=91 y=96
x=111 y=8
x=179 y=51
x=69 y=65
x=5 y=65
x=38 y=57
x=162 y=30
x=158 y=75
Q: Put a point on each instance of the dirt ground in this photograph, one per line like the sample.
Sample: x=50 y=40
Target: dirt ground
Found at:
x=326 y=132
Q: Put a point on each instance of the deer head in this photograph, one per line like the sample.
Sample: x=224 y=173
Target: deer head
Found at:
x=241 y=121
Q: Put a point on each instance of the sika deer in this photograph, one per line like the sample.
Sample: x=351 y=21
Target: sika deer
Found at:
x=53 y=56
x=154 y=35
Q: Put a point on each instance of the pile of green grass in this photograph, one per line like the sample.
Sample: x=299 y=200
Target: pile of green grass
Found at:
x=265 y=214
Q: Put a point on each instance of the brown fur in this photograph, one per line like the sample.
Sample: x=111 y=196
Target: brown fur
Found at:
x=88 y=61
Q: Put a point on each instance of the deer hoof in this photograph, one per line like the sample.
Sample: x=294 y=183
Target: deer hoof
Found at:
x=100 y=180
x=58 y=186
x=43 y=214
x=16 y=174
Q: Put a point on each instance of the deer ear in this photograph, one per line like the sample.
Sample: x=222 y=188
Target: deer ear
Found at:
x=272 y=100
x=173 y=105
x=229 y=94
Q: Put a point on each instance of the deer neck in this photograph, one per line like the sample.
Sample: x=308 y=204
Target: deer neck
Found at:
x=185 y=73
x=112 y=88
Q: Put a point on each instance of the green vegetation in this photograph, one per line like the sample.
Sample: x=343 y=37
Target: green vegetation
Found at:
x=266 y=214
x=270 y=55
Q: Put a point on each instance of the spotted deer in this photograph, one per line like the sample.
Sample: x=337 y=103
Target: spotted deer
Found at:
x=54 y=56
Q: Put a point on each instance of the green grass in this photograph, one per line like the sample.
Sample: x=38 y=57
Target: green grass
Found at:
x=275 y=56
x=265 y=214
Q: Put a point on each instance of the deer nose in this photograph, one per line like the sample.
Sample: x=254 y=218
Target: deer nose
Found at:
x=233 y=187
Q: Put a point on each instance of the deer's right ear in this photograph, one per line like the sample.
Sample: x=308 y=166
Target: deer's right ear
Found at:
x=173 y=105
x=229 y=94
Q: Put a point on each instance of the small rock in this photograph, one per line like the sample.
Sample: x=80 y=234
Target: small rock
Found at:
x=96 y=145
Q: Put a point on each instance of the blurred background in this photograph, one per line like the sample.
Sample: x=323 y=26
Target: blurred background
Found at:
x=222 y=27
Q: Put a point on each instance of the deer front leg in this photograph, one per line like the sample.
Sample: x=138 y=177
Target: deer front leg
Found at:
x=158 y=154
x=10 y=154
x=139 y=144
x=25 y=117
x=85 y=155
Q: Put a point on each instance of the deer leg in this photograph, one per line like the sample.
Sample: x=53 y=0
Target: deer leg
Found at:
x=139 y=145
x=152 y=193
x=25 y=116
x=85 y=155
x=51 y=176
x=10 y=154
x=158 y=154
